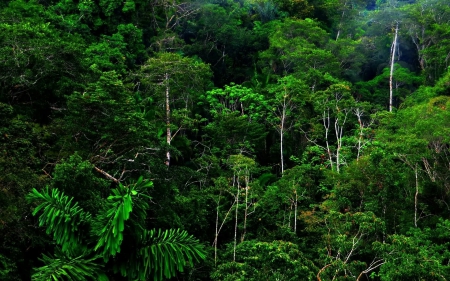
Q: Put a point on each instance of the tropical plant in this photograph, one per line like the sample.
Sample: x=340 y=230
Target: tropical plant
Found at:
x=115 y=237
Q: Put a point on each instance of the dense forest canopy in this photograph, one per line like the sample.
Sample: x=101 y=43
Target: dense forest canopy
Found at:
x=224 y=140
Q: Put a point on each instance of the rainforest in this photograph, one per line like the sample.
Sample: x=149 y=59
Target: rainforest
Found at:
x=224 y=140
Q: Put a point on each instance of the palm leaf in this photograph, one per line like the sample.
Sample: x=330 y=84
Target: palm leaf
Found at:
x=60 y=215
x=166 y=252
x=110 y=224
x=65 y=267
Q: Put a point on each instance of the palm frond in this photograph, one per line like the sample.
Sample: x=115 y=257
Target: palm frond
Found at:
x=140 y=206
x=110 y=225
x=166 y=252
x=61 y=216
x=65 y=267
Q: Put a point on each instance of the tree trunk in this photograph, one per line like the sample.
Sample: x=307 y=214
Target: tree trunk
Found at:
x=416 y=195
x=217 y=232
x=168 y=131
x=393 y=51
x=295 y=211
x=246 y=210
x=283 y=120
x=326 y=125
x=236 y=219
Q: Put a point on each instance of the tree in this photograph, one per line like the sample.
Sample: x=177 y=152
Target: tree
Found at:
x=228 y=36
x=235 y=121
x=299 y=46
x=403 y=81
x=275 y=260
x=41 y=63
x=418 y=141
x=392 y=59
x=427 y=25
x=22 y=144
x=284 y=107
x=340 y=14
x=419 y=254
x=116 y=135
x=388 y=18
x=346 y=238
x=179 y=80
x=335 y=107
x=242 y=167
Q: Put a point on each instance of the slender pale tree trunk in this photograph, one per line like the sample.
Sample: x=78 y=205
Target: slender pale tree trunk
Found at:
x=236 y=219
x=416 y=195
x=339 y=131
x=218 y=229
x=391 y=75
x=359 y=114
x=295 y=211
x=415 y=168
x=281 y=139
x=168 y=131
x=246 y=209
x=326 y=125
x=217 y=232
x=340 y=21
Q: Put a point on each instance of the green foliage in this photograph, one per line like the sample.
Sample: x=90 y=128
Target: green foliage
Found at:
x=60 y=215
x=6 y=267
x=299 y=46
x=74 y=175
x=37 y=54
x=417 y=255
x=235 y=98
x=166 y=252
x=110 y=225
x=376 y=91
x=267 y=260
x=94 y=94
x=227 y=36
x=64 y=266
x=161 y=254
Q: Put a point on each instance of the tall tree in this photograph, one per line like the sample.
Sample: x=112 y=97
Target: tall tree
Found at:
x=179 y=81
x=284 y=107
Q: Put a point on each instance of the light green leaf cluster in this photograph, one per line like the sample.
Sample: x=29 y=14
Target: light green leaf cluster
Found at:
x=235 y=98
x=161 y=254
x=64 y=266
x=61 y=216
x=166 y=252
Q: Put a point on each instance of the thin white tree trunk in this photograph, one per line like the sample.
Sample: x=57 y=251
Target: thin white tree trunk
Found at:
x=393 y=51
x=416 y=195
x=281 y=145
x=218 y=229
x=295 y=211
x=168 y=131
x=358 y=114
x=236 y=219
x=246 y=209
x=326 y=125
x=339 y=131
x=283 y=120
